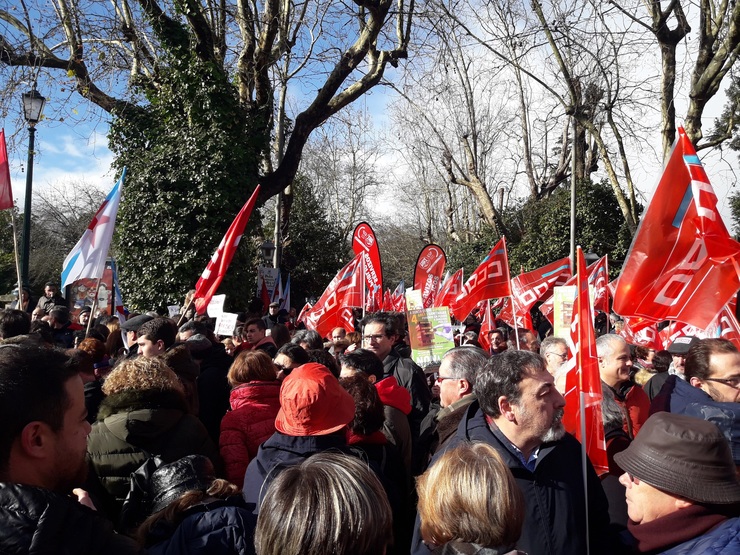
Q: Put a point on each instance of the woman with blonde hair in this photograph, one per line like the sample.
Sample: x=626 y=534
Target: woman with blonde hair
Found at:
x=255 y=401
x=143 y=415
x=469 y=503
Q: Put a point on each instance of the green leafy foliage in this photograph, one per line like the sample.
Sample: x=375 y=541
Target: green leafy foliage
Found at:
x=190 y=170
x=315 y=251
x=734 y=200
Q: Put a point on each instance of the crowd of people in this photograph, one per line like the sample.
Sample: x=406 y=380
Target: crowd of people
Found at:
x=156 y=436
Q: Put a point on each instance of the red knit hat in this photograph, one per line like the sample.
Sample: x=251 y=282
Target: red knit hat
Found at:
x=312 y=403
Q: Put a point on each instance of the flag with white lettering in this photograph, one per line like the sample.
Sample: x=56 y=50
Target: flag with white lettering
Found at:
x=683 y=264
x=490 y=280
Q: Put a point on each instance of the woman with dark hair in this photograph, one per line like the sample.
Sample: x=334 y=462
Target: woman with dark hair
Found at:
x=469 y=503
x=280 y=335
x=255 y=401
x=330 y=504
x=365 y=437
x=193 y=512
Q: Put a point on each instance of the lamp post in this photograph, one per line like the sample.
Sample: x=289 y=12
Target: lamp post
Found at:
x=267 y=249
x=33 y=106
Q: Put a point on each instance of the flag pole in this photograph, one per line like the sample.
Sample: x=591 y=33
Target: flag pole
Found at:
x=516 y=325
x=184 y=312
x=582 y=399
x=17 y=260
x=94 y=306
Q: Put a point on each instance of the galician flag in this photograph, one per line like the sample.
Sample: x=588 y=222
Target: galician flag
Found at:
x=87 y=258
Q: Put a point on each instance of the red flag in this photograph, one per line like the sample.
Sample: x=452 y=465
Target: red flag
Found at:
x=683 y=264
x=490 y=280
x=265 y=298
x=398 y=298
x=6 y=191
x=364 y=241
x=645 y=337
x=598 y=276
x=528 y=288
x=450 y=290
x=216 y=269
x=387 y=301
x=428 y=273
x=583 y=383
x=302 y=315
x=522 y=320
x=486 y=326
x=729 y=327
x=345 y=290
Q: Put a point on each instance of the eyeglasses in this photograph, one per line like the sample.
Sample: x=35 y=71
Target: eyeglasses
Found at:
x=633 y=479
x=284 y=369
x=373 y=338
x=563 y=356
x=443 y=378
x=733 y=382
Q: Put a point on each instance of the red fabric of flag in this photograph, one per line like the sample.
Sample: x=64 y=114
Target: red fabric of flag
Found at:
x=583 y=383
x=216 y=269
x=683 y=264
x=490 y=280
x=450 y=290
x=430 y=266
x=532 y=286
x=344 y=291
x=6 y=191
x=728 y=326
x=486 y=326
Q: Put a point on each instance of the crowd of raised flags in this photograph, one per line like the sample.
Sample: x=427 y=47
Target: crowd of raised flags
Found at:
x=683 y=266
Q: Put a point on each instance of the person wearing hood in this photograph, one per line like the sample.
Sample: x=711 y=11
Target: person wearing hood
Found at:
x=195 y=513
x=144 y=414
x=314 y=412
x=396 y=399
x=255 y=401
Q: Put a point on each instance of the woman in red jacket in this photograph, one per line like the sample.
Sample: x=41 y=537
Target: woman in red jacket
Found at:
x=255 y=400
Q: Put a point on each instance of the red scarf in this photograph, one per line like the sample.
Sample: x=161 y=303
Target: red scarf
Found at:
x=674 y=529
x=376 y=438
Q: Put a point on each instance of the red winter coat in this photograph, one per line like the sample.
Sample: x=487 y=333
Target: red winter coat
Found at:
x=250 y=422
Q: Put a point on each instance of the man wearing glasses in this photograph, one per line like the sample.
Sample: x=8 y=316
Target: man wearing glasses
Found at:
x=711 y=390
x=380 y=334
x=555 y=352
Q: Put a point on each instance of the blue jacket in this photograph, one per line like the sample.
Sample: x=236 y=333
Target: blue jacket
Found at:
x=721 y=540
x=680 y=397
x=555 y=512
x=223 y=526
x=280 y=452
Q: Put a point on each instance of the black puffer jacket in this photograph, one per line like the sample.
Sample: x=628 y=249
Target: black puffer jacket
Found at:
x=135 y=424
x=35 y=520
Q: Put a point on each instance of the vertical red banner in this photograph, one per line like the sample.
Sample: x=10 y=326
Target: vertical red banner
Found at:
x=430 y=267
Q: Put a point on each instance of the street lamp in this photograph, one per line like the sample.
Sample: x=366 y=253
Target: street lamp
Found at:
x=33 y=106
x=267 y=249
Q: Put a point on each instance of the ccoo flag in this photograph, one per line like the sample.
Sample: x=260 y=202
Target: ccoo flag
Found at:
x=682 y=265
x=87 y=258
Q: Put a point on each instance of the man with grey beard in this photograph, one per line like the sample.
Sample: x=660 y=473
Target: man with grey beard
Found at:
x=519 y=412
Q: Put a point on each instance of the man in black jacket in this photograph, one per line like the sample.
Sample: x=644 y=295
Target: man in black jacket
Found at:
x=380 y=334
x=43 y=441
x=519 y=411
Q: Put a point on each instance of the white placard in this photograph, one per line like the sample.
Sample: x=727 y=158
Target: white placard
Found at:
x=216 y=306
x=225 y=324
x=174 y=310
